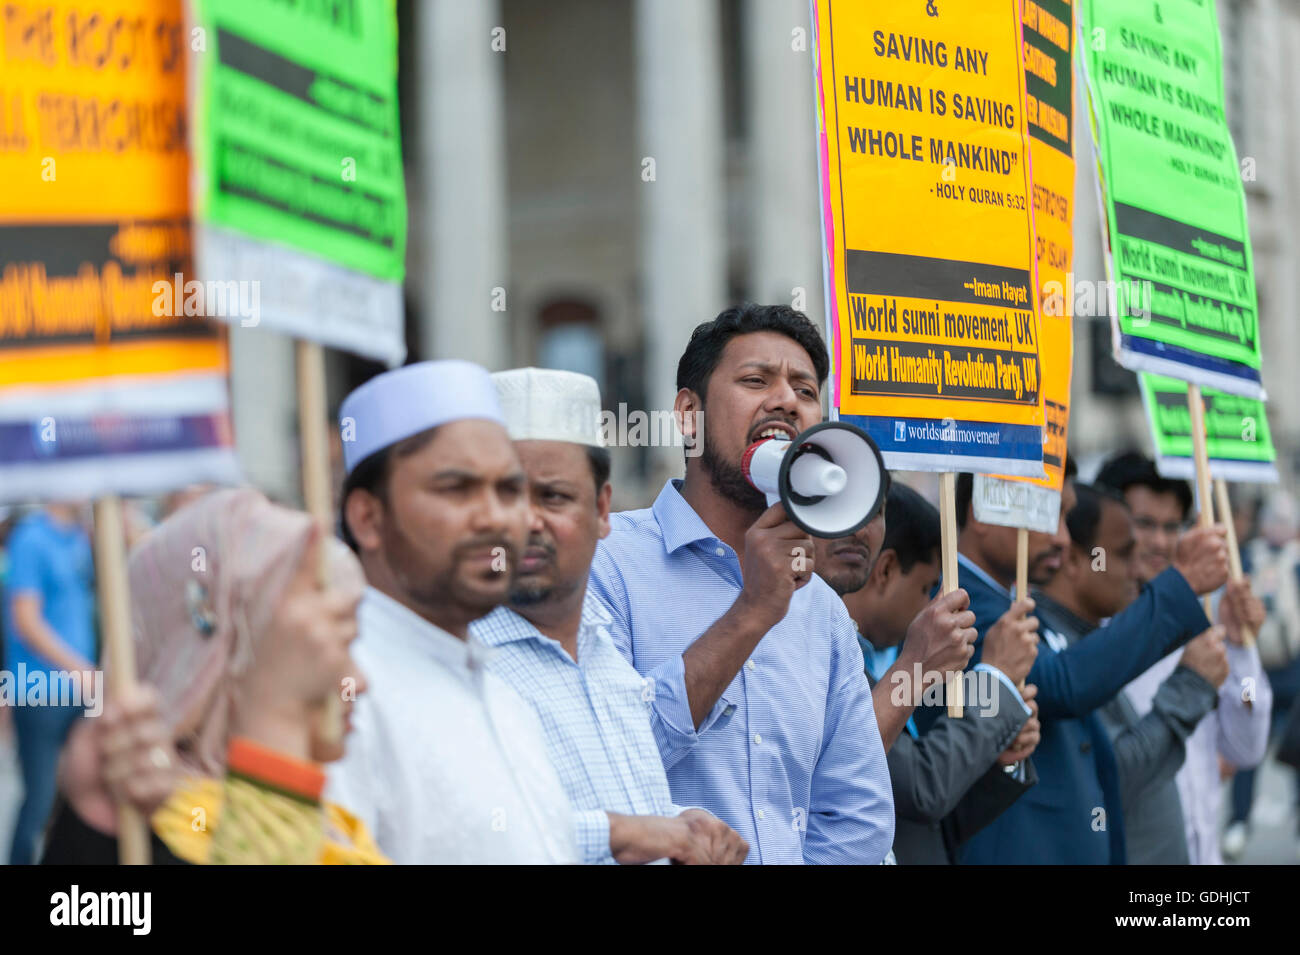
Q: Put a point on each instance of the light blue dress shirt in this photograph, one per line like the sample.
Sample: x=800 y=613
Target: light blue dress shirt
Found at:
x=790 y=756
x=52 y=561
x=595 y=715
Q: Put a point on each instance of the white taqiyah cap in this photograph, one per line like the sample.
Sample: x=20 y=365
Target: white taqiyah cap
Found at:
x=398 y=404
x=542 y=404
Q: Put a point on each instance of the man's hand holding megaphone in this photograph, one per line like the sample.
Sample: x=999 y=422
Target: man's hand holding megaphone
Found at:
x=778 y=560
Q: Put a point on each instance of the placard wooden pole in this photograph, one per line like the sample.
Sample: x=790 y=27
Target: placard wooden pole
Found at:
x=948 y=547
x=313 y=431
x=1022 y=568
x=1224 y=506
x=1196 y=407
x=1022 y=563
x=119 y=650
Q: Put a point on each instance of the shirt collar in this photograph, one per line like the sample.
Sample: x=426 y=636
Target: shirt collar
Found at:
x=877 y=661
x=1062 y=614
x=982 y=574
x=678 y=522
x=402 y=624
x=504 y=625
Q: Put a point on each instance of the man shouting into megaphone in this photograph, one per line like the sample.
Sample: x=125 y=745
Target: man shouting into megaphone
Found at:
x=761 y=709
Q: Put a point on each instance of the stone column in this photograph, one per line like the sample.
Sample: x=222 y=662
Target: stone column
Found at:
x=681 y=136
x=458 y=224
x=785 y=261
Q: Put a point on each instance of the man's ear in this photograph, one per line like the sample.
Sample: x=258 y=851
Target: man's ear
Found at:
x=602 y=508
x=1076 y=562
x=884 y=570
x=364 y=514
x=686 y=410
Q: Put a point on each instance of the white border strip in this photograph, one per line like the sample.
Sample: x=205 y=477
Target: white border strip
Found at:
x=128 y=474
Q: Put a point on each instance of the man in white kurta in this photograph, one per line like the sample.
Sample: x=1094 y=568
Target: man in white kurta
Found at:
x=446 y=763
x=1236 y=730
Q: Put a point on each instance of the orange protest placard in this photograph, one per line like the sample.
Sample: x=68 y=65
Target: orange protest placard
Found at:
x=111 y=377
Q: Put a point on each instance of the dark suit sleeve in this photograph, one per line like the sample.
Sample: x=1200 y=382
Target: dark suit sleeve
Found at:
x=1085 y=675
x=992 y=794
x=1150 y=750
x=931 y=775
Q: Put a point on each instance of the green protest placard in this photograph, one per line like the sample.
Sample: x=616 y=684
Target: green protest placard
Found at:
x=1238 y=438
x=1175 y=208
x=298 y=166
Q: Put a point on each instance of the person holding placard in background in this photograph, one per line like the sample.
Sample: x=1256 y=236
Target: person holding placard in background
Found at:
x=1074 y=815
x=1237 y=729
x=964 y=772
x=1149 y=749
x=1273 y=561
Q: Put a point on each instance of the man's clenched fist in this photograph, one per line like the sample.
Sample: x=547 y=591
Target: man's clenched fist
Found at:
x=1011 y=644
x=1206 y=655
x=942 y=636
x=778 y=561
x=1201 y=556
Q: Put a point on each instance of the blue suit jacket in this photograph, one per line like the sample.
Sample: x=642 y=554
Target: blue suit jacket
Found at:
x=1057 y=821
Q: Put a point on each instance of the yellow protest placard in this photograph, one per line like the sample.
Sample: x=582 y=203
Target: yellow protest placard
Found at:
x=1049 y=105
x=929 y=245
x=111 y=378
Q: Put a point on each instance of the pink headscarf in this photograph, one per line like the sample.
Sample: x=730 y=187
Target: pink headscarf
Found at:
x=204 y=585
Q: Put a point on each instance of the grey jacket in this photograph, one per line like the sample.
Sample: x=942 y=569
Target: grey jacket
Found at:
x=948 y=785
x=1149 y=751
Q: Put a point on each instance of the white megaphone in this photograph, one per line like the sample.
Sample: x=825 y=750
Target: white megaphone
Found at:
x=831 y=478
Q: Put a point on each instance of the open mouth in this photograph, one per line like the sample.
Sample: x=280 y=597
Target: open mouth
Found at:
x=782 y=432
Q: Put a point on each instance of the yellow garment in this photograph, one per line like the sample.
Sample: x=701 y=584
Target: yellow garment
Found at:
x=269 y=828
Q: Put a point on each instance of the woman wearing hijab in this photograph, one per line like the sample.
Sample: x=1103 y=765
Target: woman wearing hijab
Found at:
x=220 y=742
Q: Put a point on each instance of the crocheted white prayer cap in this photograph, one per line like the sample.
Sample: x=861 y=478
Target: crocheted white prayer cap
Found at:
x=542 y=404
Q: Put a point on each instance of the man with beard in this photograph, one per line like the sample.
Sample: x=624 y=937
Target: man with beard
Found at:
x=552 y=643
x=950 y=782
x=1074 y=814
x=446 y=763
x=1149 y=749
x=760 y=707
x=1236 y=732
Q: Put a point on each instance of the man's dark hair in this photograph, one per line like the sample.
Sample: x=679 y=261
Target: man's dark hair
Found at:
x=1085 y=518
x=704 y=350
x=372 y=475
x=963 y=496
x=1070 y=468
x=599 y=459
x=1134 y=469
x=911 y=527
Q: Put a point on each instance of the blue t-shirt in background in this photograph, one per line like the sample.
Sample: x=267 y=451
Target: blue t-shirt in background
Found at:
x=52 y=560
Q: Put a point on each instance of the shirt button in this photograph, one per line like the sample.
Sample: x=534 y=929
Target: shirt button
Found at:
x=749 y=664
x=728 y=711
x=758 y=739
x=760 y=815
x=719 y=551
x=1085 y=747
